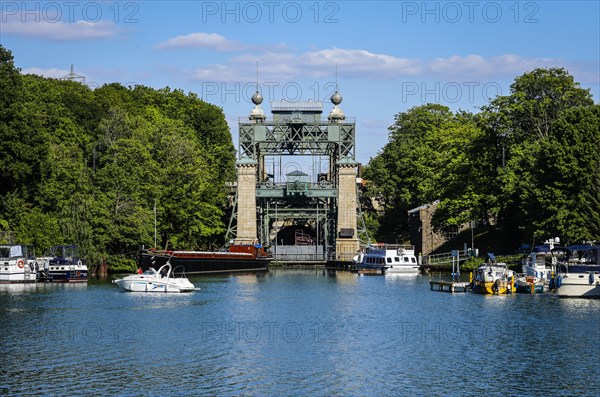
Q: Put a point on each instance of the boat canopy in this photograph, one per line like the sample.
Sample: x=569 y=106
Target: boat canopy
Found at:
x=583 y=247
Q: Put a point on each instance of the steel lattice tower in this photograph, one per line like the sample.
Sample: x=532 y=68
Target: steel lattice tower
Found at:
x=322 y=205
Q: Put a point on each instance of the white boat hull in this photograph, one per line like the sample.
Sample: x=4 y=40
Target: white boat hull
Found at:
x=155 y=281
x=402 y=270
x=13 y=274
x=577 y=285
x=16 y=264
x=152 y=286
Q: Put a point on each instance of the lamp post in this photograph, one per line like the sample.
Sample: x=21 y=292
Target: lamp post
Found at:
x=472 y=238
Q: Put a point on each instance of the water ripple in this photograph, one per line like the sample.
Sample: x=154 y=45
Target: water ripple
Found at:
x=305 y=333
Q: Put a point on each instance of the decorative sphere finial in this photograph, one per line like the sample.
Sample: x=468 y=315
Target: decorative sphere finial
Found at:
x=336 y=98
x=257 y=98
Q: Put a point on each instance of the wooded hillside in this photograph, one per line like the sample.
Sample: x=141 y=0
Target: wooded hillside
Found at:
x=528 y=164
x=85 y=166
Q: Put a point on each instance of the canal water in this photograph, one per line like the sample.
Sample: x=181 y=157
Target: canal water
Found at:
x=295 y=332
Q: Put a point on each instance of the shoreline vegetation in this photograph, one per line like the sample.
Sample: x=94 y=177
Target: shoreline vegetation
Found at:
x=88 y=166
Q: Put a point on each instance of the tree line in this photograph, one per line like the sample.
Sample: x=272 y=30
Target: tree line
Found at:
x=527 y=164
x=86 y=167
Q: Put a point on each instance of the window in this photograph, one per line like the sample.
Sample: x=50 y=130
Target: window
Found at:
x=389 y=260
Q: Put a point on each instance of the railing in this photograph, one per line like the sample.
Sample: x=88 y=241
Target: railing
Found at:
x=298 y=253
x=296 y=185
x=288 y=120
x=391 y=246
x=441 y=259
x=291 y=257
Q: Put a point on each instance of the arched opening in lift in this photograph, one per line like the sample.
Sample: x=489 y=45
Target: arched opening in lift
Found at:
x=301 y=235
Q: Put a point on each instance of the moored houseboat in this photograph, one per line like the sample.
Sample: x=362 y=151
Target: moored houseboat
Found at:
x=387 y=259
x=62 y=264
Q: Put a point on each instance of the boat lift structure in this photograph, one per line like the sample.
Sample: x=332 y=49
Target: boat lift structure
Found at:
x=275 y=198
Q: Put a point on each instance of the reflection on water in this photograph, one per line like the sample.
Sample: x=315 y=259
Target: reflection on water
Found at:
x=295 y=332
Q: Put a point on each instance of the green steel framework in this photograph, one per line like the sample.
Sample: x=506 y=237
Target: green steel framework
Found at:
x=299 y=202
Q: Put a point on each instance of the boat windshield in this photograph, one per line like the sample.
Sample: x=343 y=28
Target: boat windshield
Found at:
x=64 y=251
x=585 y=255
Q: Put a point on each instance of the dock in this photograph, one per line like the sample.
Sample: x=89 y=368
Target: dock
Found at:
x=449 y=286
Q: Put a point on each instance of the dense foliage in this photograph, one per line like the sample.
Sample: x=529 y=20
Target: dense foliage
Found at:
x=87 y=166
x=528 y=164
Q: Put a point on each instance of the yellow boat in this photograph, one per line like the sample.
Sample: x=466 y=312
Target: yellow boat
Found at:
x=494 y=278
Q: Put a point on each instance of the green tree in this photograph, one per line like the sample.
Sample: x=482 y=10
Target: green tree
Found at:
x=86 y=166
x=431 y=155
x=533 y=196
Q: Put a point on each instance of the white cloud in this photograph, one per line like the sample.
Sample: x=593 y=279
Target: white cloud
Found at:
x=212 y=41
x=275 y=64
x=51 y=72
x=61 y=31
x=312 y=64
x=363 y=64
x=215 y=42
x=507 y=65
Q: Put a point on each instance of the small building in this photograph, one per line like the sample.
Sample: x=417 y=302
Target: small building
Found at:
x=422 y=234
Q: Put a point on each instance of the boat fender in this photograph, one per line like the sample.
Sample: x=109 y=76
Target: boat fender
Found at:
x=591 y=278
x=551 y=284
x=558 y=281
x=37 y=266
x=32 y=266
x=20 y=263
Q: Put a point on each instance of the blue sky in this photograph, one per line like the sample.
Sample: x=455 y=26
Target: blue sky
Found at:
x=390 y=55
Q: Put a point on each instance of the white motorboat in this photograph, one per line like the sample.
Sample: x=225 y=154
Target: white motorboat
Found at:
x=542 y=261
x=152 y=280
x=388 y=259
x=579 y=276
x=17 y=264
